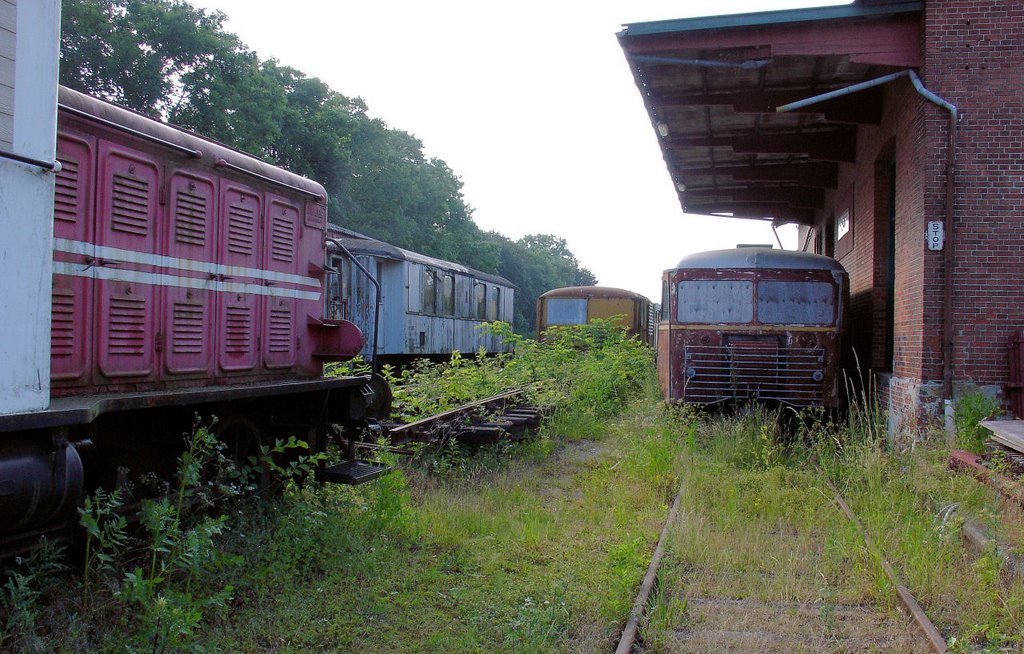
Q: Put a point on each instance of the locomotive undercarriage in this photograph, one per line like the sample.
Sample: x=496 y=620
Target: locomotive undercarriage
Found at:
x=49 y=460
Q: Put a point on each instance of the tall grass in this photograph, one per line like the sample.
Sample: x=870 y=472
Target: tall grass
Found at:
x=392 y=559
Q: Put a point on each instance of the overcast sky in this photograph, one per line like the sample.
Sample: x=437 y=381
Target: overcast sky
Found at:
x=530 y=103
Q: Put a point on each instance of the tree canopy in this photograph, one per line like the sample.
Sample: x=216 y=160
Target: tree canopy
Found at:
x=170 y=60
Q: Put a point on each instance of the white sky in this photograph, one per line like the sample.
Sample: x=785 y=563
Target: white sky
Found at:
x=531 y=104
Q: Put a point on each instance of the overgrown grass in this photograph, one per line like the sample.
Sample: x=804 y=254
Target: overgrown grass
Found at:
x=529 y=547
x=526 y=547
x=760 y=523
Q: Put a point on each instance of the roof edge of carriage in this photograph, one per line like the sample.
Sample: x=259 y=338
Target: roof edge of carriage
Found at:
x=358 y=243
x=212 y=152
x=758 y=257
x=593 y=291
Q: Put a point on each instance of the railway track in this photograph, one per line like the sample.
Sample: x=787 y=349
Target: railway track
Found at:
x=504 y=415
x=701 y=618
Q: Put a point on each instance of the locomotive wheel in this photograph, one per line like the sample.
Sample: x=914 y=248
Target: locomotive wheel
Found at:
x=244 y=439
x=378 y=406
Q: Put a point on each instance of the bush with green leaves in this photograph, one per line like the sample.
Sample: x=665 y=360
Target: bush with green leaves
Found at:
x=971 y=409
x=587 y=370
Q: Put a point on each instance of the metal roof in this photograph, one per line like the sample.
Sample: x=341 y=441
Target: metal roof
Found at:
x=759 y=257
x=357 y=243
x=711 y=86
x=593 y=291
x=760 y=18
x=211 y=152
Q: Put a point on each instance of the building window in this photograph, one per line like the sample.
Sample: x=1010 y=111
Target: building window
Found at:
x=844 y=225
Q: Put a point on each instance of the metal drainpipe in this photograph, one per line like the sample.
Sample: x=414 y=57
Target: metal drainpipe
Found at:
x=948 y=251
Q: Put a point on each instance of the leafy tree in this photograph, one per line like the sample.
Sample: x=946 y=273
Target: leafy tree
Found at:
x=170 y=60
x=140 y=52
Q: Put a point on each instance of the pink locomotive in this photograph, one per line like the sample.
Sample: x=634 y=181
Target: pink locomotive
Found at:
x=187 y=278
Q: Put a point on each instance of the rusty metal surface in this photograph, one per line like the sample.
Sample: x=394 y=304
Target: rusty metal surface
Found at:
x=753 y=370
x=972 y=463
x=768 y=330
x=431 y=423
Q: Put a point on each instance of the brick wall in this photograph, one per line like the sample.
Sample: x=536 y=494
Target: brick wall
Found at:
x=974 y=57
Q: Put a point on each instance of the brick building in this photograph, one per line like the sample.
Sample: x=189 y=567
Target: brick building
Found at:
x=865 y=171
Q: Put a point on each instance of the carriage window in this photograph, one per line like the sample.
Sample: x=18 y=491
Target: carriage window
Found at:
x=448 y=295
x=480 y=300
x=567 y=311
x=795 y=303
x=495 y=302
x=715 y=301
x=428 y=288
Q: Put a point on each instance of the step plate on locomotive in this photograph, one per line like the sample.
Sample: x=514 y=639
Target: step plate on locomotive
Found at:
x=354 y=472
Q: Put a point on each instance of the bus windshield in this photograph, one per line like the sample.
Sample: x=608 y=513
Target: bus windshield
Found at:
x=795 y=303
x=709 y=301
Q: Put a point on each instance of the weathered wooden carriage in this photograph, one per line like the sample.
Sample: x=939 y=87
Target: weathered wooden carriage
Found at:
x=429 y=307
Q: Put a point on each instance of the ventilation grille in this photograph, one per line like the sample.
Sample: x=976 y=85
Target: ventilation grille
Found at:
x=752 y=370
x=238 y=334
x=280 y=330
x=131 y=205
x=62 y=323
x=187 y=328
x=65 y=196
x=127 y=327
x=282 y=247
x=190 y=219
x=241 y=230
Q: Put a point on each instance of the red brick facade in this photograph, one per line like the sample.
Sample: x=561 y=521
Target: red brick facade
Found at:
x=972 y=56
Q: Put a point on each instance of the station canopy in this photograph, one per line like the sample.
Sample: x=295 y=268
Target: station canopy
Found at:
x=711 y=86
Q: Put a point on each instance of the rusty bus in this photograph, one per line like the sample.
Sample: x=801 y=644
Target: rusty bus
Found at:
x=752 y=323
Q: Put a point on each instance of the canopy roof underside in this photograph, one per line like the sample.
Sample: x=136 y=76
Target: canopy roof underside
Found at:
x=711 y=86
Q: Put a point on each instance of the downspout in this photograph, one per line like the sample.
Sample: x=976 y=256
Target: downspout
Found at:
x=948 y=246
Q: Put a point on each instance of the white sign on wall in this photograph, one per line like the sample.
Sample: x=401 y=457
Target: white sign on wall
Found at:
x=935 y=236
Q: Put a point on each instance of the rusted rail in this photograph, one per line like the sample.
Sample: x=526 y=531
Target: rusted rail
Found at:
x=968 y=462
x=484 y=420
x=934 y=637
x=628 y=639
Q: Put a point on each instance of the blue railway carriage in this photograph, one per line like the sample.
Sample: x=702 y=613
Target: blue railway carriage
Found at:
x=429 y=307
x=753 y=324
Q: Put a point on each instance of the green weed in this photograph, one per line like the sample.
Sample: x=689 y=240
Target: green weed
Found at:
x=968 y=412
